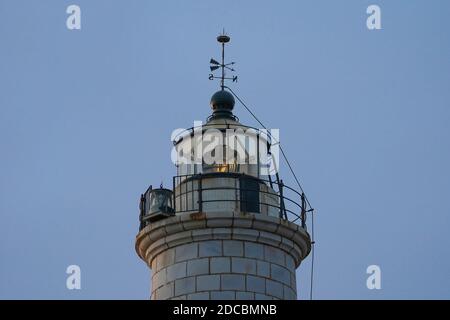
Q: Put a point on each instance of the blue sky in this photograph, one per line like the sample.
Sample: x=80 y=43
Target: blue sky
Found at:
x=86 y=118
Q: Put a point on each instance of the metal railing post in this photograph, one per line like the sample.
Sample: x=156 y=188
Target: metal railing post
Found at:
x=174 y=195
x=141 y=212
x=200 y=192
x=282 y=207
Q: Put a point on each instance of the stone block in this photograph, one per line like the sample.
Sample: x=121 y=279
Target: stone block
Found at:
x=186 y=252
x=174 y=228
x=243 y=265
x=214 y=223
x=184 y=286
x=220 y=265
x=202 y=234
x=241 y=220
x=289 y=294
x=233 y=248
x=233 y=282
x=210 y=248
x=263 y=268
x=197 y=266
x=159 y=279
x=208 y=282
x=243 y=295
x=290 y=263
x=176 y=271
x=254 y=250
x=178 y=238
x=269 y=238
x=256 y=284
x=221 y=233
x=194 y=224
x=259 y=296
x=280 y=274
x=266 y=223
x=198 y=296
x=165 y=292
x=274 y=288
x=245 y=234
x=166 y=258
x=222 y=295
x=293 y=281
x=274 y=255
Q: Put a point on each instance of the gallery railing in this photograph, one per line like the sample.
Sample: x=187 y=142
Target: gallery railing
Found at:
x=189 y=190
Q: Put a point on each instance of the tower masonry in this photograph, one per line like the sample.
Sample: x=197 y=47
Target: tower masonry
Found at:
x=229 y=228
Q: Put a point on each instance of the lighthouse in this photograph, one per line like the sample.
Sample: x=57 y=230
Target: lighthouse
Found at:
x=228 y=227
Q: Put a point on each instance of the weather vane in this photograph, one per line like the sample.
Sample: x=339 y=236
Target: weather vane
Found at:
x=216 y=65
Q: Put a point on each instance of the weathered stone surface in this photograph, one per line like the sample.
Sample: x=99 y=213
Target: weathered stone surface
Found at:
x=245 y=234
x=259 y=296
x=274 y=289
x=221 y=233
x=210 y=248
x=174 y=228
x=269 y=238
x=243 y=220
x=184 y=286
x=186 y=251
x=157 y=233
x=202 y=234
x=194 y=224
x=159 y=279
x=176 y=271
x=233 y=248
x=198 y=296
x=274 y=255
x=263 y=268
x=208 y=282
x=178 y=238
x=288 y=293
x=242 y=295
x=243 y=265
x=165 y=292
x=233 y=282
x=220 y=264
x=256 y=284
x=197 y=266
x=222 y=295
x=235 y=256
x=293 y=281
x=254 y=250
x=290 y=263
x=265 y=223
x=215 y=223
x=279 y=273
x=166 y=258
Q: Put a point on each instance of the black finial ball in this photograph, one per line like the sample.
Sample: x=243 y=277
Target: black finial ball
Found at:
x=223 y=38
x=222 y=101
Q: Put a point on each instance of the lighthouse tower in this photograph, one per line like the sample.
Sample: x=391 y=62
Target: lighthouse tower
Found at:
x=228 y=228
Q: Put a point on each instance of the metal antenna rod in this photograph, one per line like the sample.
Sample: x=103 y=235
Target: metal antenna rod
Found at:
x=222 y=39
x=223 y=65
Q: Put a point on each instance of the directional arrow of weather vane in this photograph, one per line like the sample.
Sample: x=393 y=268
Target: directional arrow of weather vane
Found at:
x=216 y=65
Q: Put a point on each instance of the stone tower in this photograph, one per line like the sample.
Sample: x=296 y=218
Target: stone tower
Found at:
x=227 y=229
